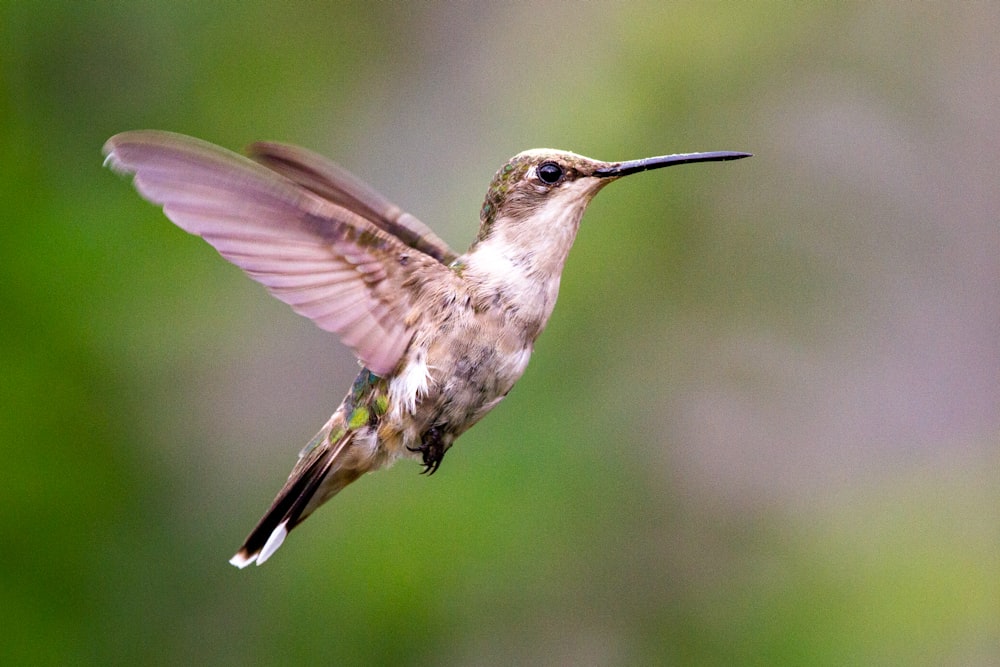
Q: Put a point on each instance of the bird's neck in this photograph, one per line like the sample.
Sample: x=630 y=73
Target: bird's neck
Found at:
x=517 y=267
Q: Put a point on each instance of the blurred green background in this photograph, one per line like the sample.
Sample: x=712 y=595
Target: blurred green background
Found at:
x=761 y=428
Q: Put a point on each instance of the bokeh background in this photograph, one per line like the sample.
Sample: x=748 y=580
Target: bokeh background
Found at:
x=761 y=428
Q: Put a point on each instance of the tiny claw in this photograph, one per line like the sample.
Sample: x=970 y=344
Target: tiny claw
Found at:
x=432 y=450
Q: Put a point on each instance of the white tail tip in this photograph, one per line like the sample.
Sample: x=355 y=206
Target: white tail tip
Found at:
x=241 y=561
x=273 y=542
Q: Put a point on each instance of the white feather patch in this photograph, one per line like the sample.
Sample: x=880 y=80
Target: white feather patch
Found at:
x=407 y=387
x=241 y=561
x=491 y=259
x=273 y=542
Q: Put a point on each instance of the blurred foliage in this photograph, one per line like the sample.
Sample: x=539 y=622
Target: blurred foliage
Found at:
x=762 y=427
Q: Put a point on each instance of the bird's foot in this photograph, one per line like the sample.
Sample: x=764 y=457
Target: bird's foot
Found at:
x=432 y=449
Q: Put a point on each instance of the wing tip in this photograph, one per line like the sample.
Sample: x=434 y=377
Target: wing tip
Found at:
x=115 y=145
x=112 y=160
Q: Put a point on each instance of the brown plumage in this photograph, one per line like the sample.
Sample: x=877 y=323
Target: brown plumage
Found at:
x=443 y=337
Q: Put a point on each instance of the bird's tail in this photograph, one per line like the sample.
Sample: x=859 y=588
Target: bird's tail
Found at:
x=325 y=466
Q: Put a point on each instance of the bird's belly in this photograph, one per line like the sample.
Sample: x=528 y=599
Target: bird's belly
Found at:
x=453 y=384
x=477 y=380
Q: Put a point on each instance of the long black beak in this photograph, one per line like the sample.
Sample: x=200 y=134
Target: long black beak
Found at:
x=635 y=166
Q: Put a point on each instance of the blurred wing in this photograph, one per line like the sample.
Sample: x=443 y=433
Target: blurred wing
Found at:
x=327 y=263
x=330 y=181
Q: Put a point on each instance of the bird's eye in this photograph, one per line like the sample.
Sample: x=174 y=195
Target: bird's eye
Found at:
x=550 y=172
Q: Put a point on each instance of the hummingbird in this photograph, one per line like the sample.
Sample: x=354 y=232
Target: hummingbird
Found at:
x=441 y=337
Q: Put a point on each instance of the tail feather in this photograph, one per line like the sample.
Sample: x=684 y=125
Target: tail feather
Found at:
x=307 y=487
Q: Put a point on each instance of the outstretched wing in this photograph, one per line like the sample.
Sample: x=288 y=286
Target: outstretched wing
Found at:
x=330 y=181
x=327 y=262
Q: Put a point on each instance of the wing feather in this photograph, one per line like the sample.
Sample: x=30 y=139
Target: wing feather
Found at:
x=316 y=252
x=333 y=183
